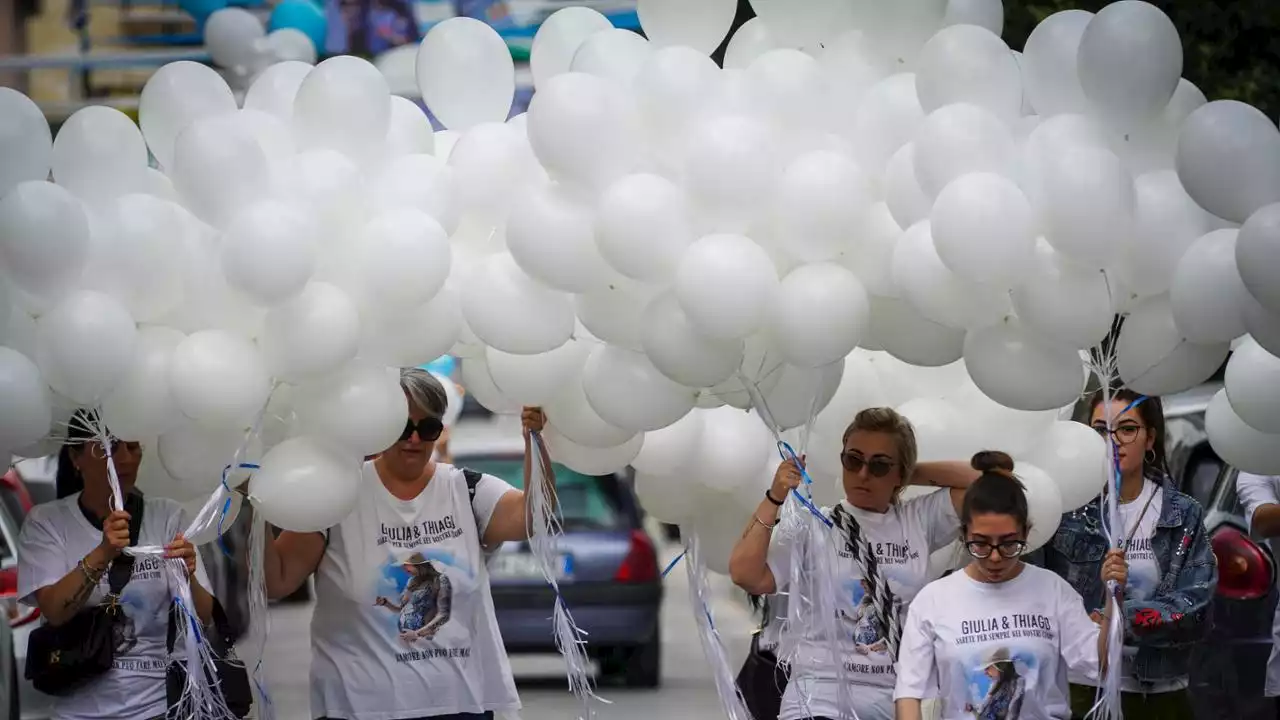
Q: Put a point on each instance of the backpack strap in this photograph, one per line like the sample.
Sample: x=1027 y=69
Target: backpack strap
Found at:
x=122 y=567
x=473 y=481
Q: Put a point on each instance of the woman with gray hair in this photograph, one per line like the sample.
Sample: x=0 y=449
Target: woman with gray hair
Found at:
x=416 y=518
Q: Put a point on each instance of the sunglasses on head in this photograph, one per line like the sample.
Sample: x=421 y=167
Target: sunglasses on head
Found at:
x=877 y=467
x=428 y=429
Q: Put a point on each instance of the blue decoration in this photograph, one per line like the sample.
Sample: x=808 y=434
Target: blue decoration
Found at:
x=443 y=365
x=302 y=15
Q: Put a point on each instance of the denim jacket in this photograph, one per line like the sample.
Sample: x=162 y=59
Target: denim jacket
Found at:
x=1165 y=626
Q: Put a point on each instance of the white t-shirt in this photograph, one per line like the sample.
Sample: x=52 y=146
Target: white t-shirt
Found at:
x=997 y=651
x=902 y=539
x=1255 y=491
x=388 y=644
x=55 y=537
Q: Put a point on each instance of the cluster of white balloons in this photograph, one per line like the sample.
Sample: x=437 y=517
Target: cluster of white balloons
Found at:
x=238 y=42
x=656 y=239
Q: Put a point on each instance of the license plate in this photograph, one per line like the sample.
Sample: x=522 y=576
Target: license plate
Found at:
x=523 y=566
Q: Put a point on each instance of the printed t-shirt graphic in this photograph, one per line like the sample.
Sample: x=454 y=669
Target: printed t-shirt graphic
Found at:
x=55 y=536
x=402 y=601
x=997 y=651
x=902 y=540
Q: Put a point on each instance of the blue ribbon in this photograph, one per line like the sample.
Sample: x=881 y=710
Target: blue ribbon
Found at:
x=788 y=453
x=226 y=506
x=675 y=561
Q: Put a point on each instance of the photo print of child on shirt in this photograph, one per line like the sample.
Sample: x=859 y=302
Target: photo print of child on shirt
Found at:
x=425 y=600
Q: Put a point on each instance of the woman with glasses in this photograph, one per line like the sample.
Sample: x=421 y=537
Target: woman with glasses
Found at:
x=71 y=557
x=879 y=458
x=995 y=640
x=1172 y=570
x=404 y=625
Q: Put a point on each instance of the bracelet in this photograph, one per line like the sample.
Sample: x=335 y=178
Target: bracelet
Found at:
x=769 y=497
x=92 y=575
x=764 y=524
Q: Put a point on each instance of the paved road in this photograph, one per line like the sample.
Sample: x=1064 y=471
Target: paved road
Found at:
x=687 y=690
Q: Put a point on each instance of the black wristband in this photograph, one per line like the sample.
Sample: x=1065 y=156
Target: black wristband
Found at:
x=769 y=497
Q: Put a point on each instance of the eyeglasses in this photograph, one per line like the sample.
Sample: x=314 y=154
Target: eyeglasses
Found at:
x=117 y=446
x=877 y=467
x=1008 y=549
x=428 y=429
x=1123 y=434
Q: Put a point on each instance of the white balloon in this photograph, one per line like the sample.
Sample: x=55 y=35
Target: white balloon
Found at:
x=422 y=182
x=196 y=456
x=669 y=450
x=273 y=91
x=316 y=332
x=733 y=446
x=819 y=314
x=269 y=251
x=573 y=417
x=416 y=335
x=219 y=379
x=466 y=73
x=627 y=391
x=1258 y=256
x=969 y=64
x=1061 y=301
x=343 y=104
x=1130 y=61
x=1076 y=458
x=984 y=230
x=584 y=130
x=492 y=164
x=233 y=35
x=701 y=26
x=551 y=235
x=942 y=431
x=1153 y=357
x=937 y=293
x=791 y=85
x=506 y=309
x=1253 y=386
x=99 y=154
x=724 y=284
x=800 y=23
x=139 y=255
x=958 y=139
x=751 y=40
x=905 y=199
x=1044 y=503
x=987 y=14
x=1229 y=159
x=680 y=351
x=289 y=45
x=888 y=118
x=479 y=385
x=662 y=496
x=402 y=259
x=801 y=393
x=904 y=333
x=175 y=96
x=730 y=166
x=303 y=486
x=859 y=389
x=872 y=260
x=643 y=227
x=28 y=414
x=361 y=408
x=820 y=197
x=1049 y=60
x=1237 y=442
x=1087 y=210
x=615 y=55
x=44 y=238
x=1263 y=325
x=25 y=141
x=591 y=460
x=218 y=168
x=1023 y=371
x=142 y=404
x=1051 y=139
x=535 y=380
x=675 y=85
x=409 y=129
x=1206 y=290
x=84 y=346
x=1166 y=222
x=613 y=313
x=559 y=37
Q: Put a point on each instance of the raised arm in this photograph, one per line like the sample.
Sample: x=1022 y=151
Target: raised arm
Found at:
x=749 y=562
x=513 y=515
x=954 y=475
x=289 y=560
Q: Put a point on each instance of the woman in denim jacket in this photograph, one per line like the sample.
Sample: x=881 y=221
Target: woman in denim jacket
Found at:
x=1172 y=570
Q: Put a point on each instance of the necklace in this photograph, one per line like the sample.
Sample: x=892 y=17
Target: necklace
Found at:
x=1136 y=523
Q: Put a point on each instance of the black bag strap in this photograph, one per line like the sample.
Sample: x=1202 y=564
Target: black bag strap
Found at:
x=473 y=480
x=221 y=625
x=122 y=566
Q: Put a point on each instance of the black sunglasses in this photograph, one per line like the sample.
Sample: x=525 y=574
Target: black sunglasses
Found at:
x=1008 y=550
x=428 y=429
x=877 y=467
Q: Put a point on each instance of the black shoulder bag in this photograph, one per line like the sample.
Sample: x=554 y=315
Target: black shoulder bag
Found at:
x=63 y=658
x=761 y=680
x=232 y=677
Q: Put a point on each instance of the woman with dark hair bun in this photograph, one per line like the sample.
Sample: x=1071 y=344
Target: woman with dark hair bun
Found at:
x=1172 y=566
x=996 y=639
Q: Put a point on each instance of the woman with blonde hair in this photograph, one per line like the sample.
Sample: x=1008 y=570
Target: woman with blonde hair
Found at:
x=879 y=456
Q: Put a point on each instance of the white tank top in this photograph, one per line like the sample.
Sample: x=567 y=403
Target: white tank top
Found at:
x=404 y=624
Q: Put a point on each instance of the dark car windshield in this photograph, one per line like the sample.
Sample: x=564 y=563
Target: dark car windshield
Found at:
x=584 y=503
x=8 y=536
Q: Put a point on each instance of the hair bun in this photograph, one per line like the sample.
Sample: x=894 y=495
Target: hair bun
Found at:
x=992 y=461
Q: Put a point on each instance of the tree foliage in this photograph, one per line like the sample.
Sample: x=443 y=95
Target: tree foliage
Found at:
x=1231 y=48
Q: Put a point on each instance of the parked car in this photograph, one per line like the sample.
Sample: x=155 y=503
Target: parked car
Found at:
x=17 y=620
x=608 y=573
x=8 y=671
x=1228 y=672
